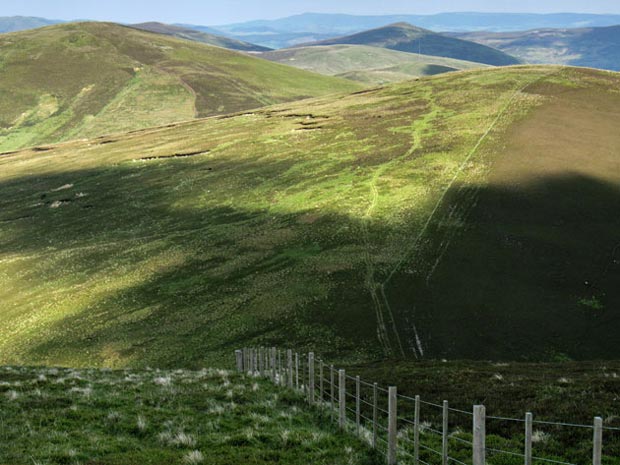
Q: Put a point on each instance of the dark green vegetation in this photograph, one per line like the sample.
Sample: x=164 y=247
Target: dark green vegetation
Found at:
x=20 y=23
x=407 y=38
x=566 y=392
x=54 y=416
x=197 y=36
x=592 y=47
x=372 y=65
x=87 y=79
x=452 y=216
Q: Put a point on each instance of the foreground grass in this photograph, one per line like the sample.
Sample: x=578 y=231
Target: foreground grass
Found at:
x=58 y=416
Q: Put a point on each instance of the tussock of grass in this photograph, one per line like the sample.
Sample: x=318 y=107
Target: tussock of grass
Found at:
x=128 y=419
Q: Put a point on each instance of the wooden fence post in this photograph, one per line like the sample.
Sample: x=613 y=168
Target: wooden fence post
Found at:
x=597 y=449
x=416 y=431
x=311 y=378
x=342 y=399
x=392 y=426
x=289 y=365
x=479 y=430
x=273 y=364
x=357 y=404
x=296 y=371
x=444 y=434
x=321 y=387
x=239 y=361
x=375 y=414
x=529 y=420
x=332 y=387
x=280 y=375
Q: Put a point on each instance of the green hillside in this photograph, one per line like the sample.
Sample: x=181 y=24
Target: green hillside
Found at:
x=87 y=79
x=404 y=37
x=453 y=216
x=197 y=36
x=597 y=47
x=371 y=65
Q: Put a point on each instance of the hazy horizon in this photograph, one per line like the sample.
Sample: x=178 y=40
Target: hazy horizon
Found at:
x=196 y=12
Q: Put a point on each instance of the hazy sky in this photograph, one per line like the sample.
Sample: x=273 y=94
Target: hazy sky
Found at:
x=209 y=12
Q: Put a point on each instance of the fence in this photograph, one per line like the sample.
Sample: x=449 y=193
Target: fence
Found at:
x=376 y=414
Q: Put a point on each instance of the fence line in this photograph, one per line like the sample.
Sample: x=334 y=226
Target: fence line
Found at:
x=386 y=431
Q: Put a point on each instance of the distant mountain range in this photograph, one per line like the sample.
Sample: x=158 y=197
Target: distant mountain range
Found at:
x=592 y=47
x=22 y=23
x=199 y=36
x=307 y=27
x=404 y=37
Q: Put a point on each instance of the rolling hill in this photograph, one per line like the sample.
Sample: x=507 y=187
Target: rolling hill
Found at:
x=197 y=36
x=404 y=37
x=371 y=65
x=86 y=79
x=591 y=47
x=451 y=216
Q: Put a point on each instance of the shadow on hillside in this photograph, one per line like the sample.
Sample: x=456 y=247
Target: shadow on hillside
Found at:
x=531 y=272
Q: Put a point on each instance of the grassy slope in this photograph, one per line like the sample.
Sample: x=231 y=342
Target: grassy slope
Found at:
x=197 y=36
x=407 y=38
x=325 y=224
x=592 y=47
x=56 y=417
x=87 y=79
x=372 y=65
x=557 y=392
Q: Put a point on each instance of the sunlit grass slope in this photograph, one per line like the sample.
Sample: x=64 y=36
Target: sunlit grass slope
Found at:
x=466 y=215
x=371 y=65
x=56 y=417
x=87 y=79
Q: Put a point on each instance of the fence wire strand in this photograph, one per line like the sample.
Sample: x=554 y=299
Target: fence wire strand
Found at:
x=300 y=371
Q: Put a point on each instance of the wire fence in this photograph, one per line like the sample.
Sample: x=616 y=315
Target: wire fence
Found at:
x=410 y=430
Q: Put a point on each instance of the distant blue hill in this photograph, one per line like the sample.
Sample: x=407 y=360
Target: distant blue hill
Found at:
x=293 y=30
x=21 y=23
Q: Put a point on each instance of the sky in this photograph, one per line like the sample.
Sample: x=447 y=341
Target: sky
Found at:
x=209 y=12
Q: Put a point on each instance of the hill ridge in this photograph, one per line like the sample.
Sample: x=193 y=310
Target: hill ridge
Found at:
x=411 y=39
x=115 y=78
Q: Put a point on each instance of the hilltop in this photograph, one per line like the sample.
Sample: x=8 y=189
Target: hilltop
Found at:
x=447 y=217
x=407 y=38
x=198 y=36
x=86 y=79
x=371 y=65
x=591 y=47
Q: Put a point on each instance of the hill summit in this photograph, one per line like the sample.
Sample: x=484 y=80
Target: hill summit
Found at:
x=405 y=37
